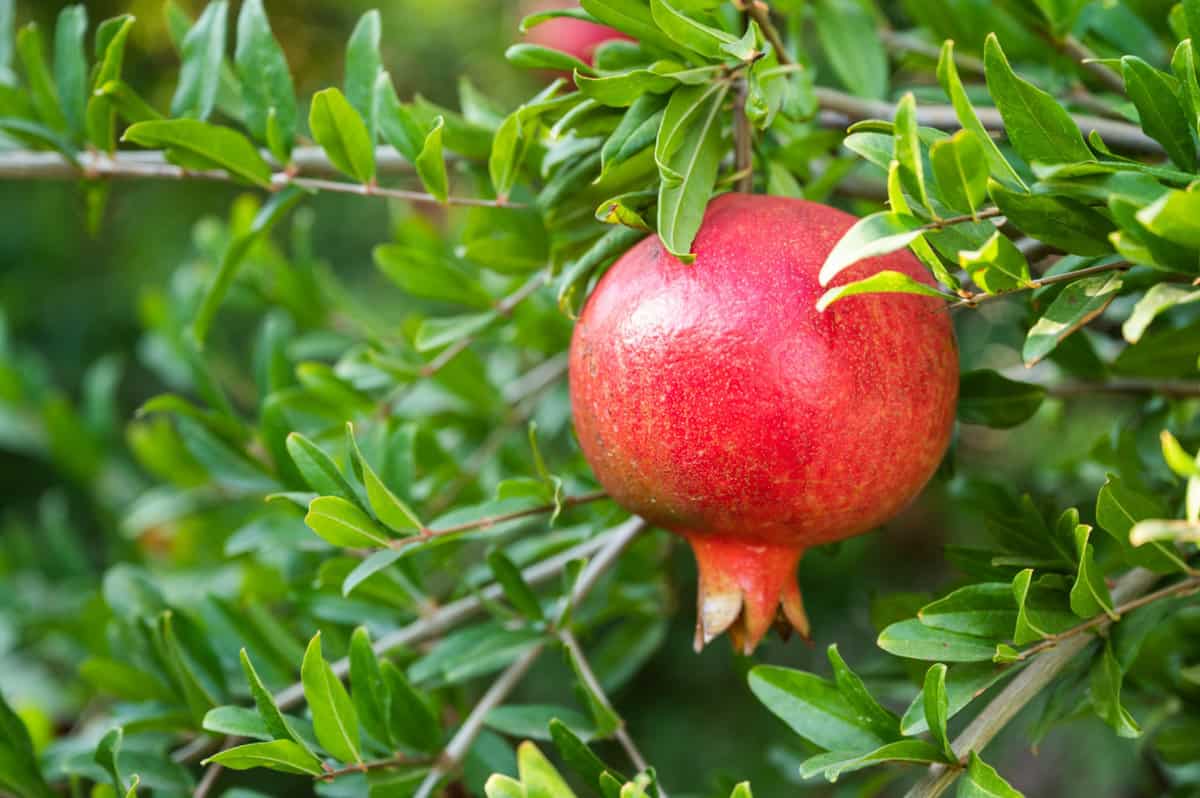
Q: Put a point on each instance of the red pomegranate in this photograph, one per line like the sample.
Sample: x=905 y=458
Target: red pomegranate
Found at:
x=576 y=37
x=715 y=401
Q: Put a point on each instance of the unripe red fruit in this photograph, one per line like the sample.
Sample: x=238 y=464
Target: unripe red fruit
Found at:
x=576 y=37
x=715 y=401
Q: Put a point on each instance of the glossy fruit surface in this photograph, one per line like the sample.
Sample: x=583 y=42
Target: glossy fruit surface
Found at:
x=714 y=400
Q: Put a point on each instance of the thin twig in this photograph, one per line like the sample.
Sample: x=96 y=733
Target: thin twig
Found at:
x=493 y=520
x=209 y=779
x=1078 y=51
x=950 y=221
x=461 y=742
x=974 y=299
x=152 y=165
x=1021 y=690
x=393 y=761
x=589 y=677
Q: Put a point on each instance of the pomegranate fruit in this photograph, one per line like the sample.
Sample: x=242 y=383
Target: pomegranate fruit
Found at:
x=576 y=37
x=715 y=401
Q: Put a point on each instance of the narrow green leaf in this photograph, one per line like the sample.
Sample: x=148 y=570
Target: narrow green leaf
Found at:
x=1104 y=689
x=814 y=709
x=363 y=67
x=534 y=56
x=538 y=776
x=318 y=469
x=1160 y=298
x=342 y=523
x=1175 y=216
x=41 y=84
x=915 y=640
x=100 y=116
x=1155 y=94
x=696 y=160
x=937 y=708
x=431 y=164
x=1040 y=130
x=343 y=134
x=690 y=33
x=71 y=68
x=203 y=54
x=335 y=721
x=877 y=234
x=1089 y=593
x=1119 y=507
x=882 y=721
x=273 y=720
x=1079 y=303
x=516 y=589
x=961 y=170
x=849 y=37
x=632 y=17
x=198 y=145
x=998 y=165
x=413 y=722
x=982 y=781
x=1065 y=223
x=107 y=754
x=884 y=282
x=964 y=683
x=984 y=608
x=266 y=81
x=834 y=764
x=284 y=756
x=907 y=151
x=388 y=507
x=367 y=688
x=997 y=265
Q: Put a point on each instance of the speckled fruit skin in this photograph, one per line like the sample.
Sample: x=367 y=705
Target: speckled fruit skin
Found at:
x=715 y=401
x=575 y=37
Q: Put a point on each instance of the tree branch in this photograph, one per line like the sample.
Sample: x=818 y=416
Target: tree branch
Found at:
x=1086 y=59
x=458 y=746
x=974 y=299
x=1022 y=689
x=589 y=677
x=1176 y=389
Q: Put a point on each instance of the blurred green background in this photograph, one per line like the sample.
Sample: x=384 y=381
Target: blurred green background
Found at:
x=74 y=298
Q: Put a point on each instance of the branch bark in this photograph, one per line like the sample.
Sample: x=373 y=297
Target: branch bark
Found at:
x=1022 y=689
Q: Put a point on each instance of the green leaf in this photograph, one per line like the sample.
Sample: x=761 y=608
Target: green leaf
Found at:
x=100 y=117
x=264 y=702
x=884 y=282
x=1176 y=457
x=961 y=170
x=577 y=756
x=430 y=163
x=412 y=721
x=1155 y=94
x=636 y=131
x=849 y=37
x=1104 y=690
x=71 y=68
x=284 y=756
x=814 y=709
x=623 y=89
x=1161 y=297
x=236 y=722
x=998 y=166
x=982 y=781
x=915 y=640
x=108 y=751
x=1062 y=222
x=500 y=786
x=1118 y=508
x=986 y=609
x=368 y=689
x=198 y=145
x=131 y=107
x=264 y=221
x=335 y=721
x=834 y=764
x=1039 y=611
x=1089 y=593
x=997 y=265
x=964 y=683
x=907 y=150
x=690 y=33
x=341 y=523
x=877 y=234
x=532 y=721
x=19 y=770
x=1079 y=303
x=266 y=81
x=576 y=273
x=1040 y=130
x=436 y=333
x=40 y=134
x=363 y=67
x=317 y=468
x=203 y=54
x=41 y=85
x=882 y=721
x=343 y=134
x=515 y=588
x=538 y=776
x=632 y=17
x=424 y=275
x=693 y=153
x=534 y=56
x=990 y=399
x=937 y=709
x=388 y=507
x=1175 y=216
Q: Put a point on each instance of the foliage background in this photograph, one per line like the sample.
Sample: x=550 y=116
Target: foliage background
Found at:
x=75 y=298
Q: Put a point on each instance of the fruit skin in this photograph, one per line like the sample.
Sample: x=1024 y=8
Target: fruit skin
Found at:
x=576 y=37
x=715 y=401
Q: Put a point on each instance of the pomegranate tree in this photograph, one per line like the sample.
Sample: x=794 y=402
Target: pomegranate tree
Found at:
x=716 y=401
